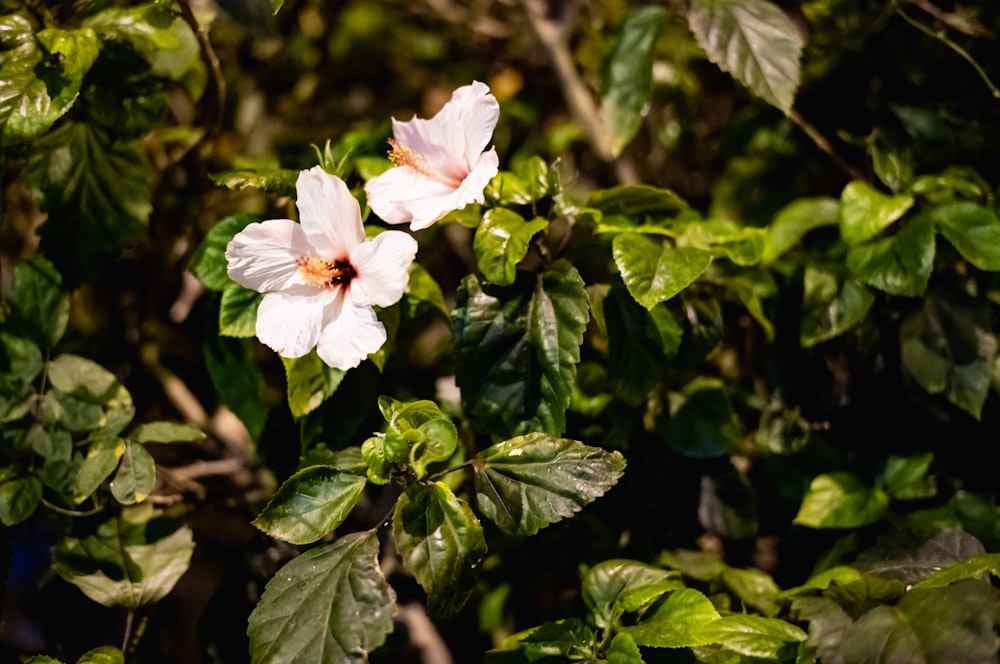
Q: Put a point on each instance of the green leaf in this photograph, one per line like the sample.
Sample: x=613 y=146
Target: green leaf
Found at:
x=753 y=40
x=311 y=381
x=165 y=432
x=866 y=212
x=273 y=182
x=623 y=650
x=25 y=105
x=841 y=500
x=39 y=300
x=973 y=568
x=705 y=425
x=900 y=264
x=101 y=460
x=423 y=289
x=507 y=188
x=331 y=605
x=102 y=655
x=238 y=311
x=75 y=51
x=237 y=380
x=132 y=559
x=743 y=245
x=419 y=428
x=627 y=79
x=208 y=262
x=136 y=475
x=96 y=192
x=905 y=477
x=795 y=220
x=310 y=504
x=750 y=635
x=614 y=587
x=654 y=271
x=516 y=349
x=569 y=639
x=501 y=241
x=82 y=378
x=528 y=482
x=907 y=557
x=831 y=306
x=676 y=623
x=948 y=347
x=55 y=444
x=974 y=231
x=754 y=587
x=635 y=201
x=20 y=495
x=20 y=360
x=635 y=349
x=43 y=659
x=441 y=542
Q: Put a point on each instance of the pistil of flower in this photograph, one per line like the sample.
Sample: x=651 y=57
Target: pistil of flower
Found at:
x=322 y=273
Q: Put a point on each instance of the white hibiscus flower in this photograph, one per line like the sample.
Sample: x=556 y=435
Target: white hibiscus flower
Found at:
x=440 y=165
x=321 y=276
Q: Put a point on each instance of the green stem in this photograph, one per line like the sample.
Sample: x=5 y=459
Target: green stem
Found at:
x=943 y=38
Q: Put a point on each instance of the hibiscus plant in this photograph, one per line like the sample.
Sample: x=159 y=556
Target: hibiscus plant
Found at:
x=661 y=332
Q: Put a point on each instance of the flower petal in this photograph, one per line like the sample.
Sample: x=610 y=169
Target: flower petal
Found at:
x=392 y=194
x=383 y=267
x=479 y=114
x=290 y=321
x=350 y=335
x=263 y=256
x=330 y=216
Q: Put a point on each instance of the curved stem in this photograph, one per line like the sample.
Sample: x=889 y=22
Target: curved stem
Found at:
x=823 y=144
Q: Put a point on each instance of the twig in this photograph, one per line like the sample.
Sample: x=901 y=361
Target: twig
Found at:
x=973 y=29
x=824 y=145
x=554 y=37
x=62 y=510
x=216 y=80
x=943 y=38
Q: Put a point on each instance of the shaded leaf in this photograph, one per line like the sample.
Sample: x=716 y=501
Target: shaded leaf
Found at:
x=310 y=504
x=627 y=78
x=654 y=271
x=795 y=220
x=900 y=264
x=38 y=298
x=136 y=474
x=330 y=605
x=237 y=380
x=238 y=311
x=948 y=347
x=165 y=432
x=973 y=230
x=208 y=262
x=613 y=587
x=977 y=567
x=831 y=306
x=311 y=381
x=528 y=482
x=516 y=350
x=905 y=477
x=132 y=559
x=20 y=495
x=102 y=458
x=704 y=426
x=753 y=40
x=909 y=558
x=635 y=201
x=441 y=542
x=423 y=289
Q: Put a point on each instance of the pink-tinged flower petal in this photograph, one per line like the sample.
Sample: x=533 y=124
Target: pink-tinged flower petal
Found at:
x=263 y=256
x=350 y=334
x=290 y=321
x=383 y=267
x=330 y=216
x=479 y=114
x=393 y=195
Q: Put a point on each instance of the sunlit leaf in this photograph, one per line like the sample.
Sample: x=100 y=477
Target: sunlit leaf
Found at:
x=136 y=475
x=612 y=587
x=20 y=495
x=101 y=460
x=676 y=623
x=55 y=443
x=627 y=77
x=753 y=40
x=208 y=262
x=310 y=504
x=131 y=559
x=866 y=212
x=441 y=542
x=948 y=347
x=330 y=605
x=900 y=264
x=311 y=381
x=528 y=482
x=165 y=432
x=517 y=348
x=795 y=220
x=238 y=311
x=274 y=182
x=501 y=241
x=974 y=230
x=751 y=635
x=623 y=650
x=655 y=271
x=634 y=201
x=977 y=567
x=841 y=500
x=102 y=655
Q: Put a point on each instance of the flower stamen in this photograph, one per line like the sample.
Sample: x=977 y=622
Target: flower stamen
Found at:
x=400 y=155
x=322 y=273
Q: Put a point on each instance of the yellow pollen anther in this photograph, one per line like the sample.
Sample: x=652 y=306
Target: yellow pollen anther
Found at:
x=400 y=155
x=321 y=273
